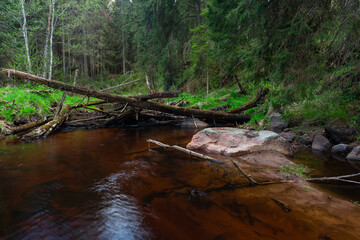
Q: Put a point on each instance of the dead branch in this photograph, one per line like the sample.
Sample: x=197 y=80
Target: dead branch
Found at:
x=337 y=178
x=61 y=102
x=121 y=85
x=252 y=181
x=259 y=98
x=282 y=205
x=184 y=150
x=131 y=101
x=28 y=126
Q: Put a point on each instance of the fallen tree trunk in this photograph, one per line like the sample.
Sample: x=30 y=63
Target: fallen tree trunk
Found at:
x=259 y=98
x=49 y=127
x=131 y=101
x=166 y=94
x=28 y=126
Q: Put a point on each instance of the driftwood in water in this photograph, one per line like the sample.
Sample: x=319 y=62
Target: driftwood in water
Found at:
x=49 y=127
x=252 y=181
x=187 y=151
x=131 y=101
x=207 y=158
x=282 y=205
x=337 y=178
x=28 y=126
x=259 y=98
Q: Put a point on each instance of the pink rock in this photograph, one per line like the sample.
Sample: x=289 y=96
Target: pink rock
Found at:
x=235 y=142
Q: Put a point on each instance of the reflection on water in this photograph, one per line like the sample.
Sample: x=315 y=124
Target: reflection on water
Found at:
x=106 y=184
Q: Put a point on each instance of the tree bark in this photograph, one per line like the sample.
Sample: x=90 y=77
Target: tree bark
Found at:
x=131 y=101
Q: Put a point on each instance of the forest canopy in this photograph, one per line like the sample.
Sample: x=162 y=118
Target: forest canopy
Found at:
x=302 y=48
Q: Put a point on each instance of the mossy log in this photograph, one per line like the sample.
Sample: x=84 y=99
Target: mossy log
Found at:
x=132 y=101
x=49 y=127
x=28 y=126
x=259 y=98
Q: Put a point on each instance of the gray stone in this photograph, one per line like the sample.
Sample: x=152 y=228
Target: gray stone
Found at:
x=320 y=143
x=193 y=123
x=340 y=131
x=235 y=142
x=354 y=155
x=341 y=149
x=290 y=136
x=277 y=124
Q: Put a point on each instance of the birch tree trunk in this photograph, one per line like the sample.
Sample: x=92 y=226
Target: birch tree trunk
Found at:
x=123 y=36
x=24 y=29
x=47 y=42
x=51 y=38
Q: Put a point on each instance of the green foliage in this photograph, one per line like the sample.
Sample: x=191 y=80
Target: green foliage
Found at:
x=291 y=169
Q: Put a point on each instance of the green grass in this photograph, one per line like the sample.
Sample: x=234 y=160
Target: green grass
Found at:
x=223 y=96
x=291 y=170
x=17 y=104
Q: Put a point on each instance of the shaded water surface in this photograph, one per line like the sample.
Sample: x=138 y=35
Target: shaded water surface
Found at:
x=107 y=184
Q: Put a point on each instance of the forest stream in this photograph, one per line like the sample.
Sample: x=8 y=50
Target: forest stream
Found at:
x=111 y=184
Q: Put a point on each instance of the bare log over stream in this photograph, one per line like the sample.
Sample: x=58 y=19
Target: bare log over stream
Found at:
x=131 y=101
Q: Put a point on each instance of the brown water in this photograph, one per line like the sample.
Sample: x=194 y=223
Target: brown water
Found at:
x=107 y=184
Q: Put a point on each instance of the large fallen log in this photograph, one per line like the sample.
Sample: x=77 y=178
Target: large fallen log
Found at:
x=132 y=101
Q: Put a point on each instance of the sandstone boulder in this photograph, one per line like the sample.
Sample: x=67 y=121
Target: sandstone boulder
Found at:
x=340 y=131
x=320 y=143
x=235 y=142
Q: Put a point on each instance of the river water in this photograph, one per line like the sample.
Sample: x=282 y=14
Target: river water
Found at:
x=108 y=184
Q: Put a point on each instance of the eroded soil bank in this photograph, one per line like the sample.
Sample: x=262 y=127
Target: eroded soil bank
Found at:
x=111 y=184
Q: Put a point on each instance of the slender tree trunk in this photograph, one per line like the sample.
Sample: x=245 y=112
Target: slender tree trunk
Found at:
x=85 y=67
x=123 y=36
x=47 y=42
x=51 y=38
x=25 y=34
x=207 y=80
x=63 y=50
